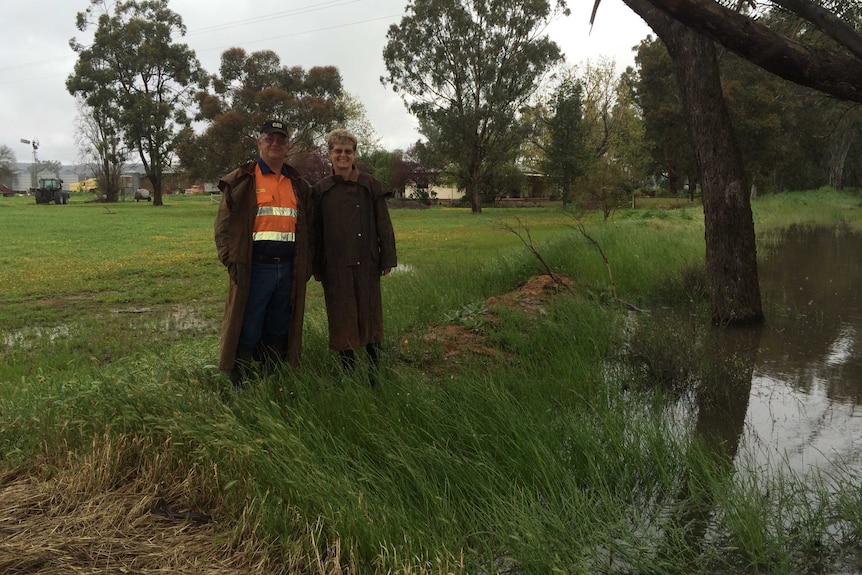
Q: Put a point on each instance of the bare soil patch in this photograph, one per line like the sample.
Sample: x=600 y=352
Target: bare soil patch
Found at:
x=453 y=344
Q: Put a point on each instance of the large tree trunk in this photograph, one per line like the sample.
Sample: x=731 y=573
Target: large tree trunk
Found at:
x=731 y=254
x=156 y=181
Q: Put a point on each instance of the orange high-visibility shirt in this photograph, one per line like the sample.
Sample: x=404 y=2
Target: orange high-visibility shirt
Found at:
x=276 y=207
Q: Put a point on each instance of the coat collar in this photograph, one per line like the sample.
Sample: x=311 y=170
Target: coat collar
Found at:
x=353 y=176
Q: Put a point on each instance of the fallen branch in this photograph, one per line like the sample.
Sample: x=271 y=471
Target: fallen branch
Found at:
x=579 y=226
x=531 y=247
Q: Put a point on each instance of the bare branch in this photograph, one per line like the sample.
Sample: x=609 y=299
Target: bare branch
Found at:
x=531 y=247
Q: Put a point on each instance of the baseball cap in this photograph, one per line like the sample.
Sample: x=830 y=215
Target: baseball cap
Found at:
x=273 y=127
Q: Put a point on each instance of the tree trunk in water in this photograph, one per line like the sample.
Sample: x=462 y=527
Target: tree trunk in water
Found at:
x=731 y=253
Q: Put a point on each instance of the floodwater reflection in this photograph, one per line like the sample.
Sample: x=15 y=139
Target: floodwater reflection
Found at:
x=806 y=382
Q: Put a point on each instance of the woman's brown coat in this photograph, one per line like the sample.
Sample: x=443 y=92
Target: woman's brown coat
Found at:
x=233 y=237
x=354 y=243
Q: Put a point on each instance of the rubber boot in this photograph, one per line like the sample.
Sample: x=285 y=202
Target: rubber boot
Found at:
x=373 y=350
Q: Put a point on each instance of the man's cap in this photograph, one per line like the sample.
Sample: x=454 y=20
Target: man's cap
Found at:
x=273 y=127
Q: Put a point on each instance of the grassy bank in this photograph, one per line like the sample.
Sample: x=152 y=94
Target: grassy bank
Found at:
x=505 y=437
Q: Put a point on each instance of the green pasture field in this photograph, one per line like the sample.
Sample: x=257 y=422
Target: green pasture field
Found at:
x=521 y=446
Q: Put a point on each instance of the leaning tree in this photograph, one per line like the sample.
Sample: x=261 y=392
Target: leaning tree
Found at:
x=688 y=28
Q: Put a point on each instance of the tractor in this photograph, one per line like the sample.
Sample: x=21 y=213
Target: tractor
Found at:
x=50 y=190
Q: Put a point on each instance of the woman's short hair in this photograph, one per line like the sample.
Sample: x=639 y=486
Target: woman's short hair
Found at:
x=339 y=136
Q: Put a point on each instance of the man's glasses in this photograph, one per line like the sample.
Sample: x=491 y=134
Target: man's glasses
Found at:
x=339 y=151
x=274 y=139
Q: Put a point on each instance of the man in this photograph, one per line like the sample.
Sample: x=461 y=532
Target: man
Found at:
x=261 y=233
x=354 y=247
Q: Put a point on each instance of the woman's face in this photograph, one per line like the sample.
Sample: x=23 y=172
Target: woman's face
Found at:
x=341 y=156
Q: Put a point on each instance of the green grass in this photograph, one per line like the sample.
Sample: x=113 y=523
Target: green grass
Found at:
x=541 y=457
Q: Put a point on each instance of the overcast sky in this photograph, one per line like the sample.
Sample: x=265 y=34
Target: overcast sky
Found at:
x=35 y=58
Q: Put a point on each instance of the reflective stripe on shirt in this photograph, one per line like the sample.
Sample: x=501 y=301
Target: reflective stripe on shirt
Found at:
x=274 y=236
x=274 y=211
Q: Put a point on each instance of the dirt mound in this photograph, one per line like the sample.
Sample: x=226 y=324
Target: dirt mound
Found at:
x=468 y=340
x=530 y=297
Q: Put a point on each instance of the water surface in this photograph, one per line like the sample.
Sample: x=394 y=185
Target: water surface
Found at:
x=806 y=383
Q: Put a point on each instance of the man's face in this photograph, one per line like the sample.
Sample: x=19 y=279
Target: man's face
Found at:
x=341 y=155
x=273 y=147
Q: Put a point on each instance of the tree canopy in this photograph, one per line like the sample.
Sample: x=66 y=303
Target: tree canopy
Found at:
x=465 y=69
x=834 y=68
x=565 y=155
x=660 y=101
x=138 y=77
x=249 y=89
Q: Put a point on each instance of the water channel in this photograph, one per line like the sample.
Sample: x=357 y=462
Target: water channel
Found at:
x=801 y=408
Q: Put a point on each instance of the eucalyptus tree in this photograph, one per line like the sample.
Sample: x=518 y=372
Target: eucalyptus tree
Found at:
x=833 y=68
x=465 y=69
x=248 y=89
x=777 y=124
x=628 y=147
x=566 y=154
x=137 y=75
x=731 y=253
x=789 y=134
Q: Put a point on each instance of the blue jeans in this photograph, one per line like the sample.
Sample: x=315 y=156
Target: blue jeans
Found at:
x=267 y=312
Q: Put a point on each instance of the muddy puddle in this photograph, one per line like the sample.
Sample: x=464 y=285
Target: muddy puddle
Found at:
x=174 y=319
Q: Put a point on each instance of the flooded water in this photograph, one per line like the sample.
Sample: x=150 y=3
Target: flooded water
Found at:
x=174 y=319
x=802 y=408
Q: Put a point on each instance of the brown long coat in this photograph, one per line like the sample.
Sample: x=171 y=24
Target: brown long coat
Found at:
x=234 y=224
x=354 y=242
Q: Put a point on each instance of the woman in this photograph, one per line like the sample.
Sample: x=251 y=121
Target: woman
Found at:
x=355 y=246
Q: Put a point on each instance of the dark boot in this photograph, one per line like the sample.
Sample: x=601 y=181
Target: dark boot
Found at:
x=239 y=375
x=348 y=360
x=373 y=350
